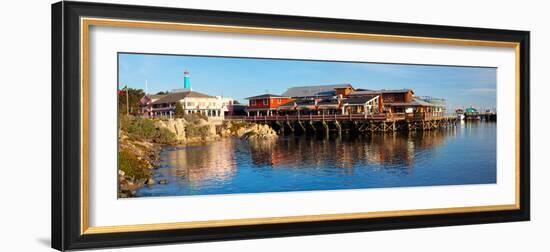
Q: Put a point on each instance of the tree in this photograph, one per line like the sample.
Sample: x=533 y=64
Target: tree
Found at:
x=179 y=110
x=134 y=95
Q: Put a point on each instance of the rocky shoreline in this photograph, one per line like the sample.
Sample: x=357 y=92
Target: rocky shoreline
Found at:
x=141 y=140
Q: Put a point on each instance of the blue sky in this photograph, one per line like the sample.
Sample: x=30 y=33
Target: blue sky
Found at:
x=243 y=77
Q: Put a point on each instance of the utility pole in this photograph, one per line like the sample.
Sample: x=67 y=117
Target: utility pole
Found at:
x=127 y=102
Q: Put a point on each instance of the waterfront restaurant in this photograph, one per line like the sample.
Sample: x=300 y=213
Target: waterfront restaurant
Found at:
x=365 y=104
x=192 y=102
x=403 y=101
x=298 y=107
x=319 y=91
x=329 y=106
x=344 y=99
x=265 y=104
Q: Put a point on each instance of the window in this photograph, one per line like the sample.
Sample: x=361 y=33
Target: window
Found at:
x=279 y=100
x=252 y=102
x=190 y=104
x=266 y=101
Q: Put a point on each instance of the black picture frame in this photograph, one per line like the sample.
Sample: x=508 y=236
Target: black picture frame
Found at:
x=66 y=134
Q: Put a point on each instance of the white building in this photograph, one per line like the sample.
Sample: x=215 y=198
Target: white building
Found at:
x=192 y=102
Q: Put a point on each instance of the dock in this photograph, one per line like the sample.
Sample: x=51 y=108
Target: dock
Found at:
x=381 y=122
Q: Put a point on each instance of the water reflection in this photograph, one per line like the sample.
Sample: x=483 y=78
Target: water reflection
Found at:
x=463 y=155
x=198 y=163
x=348 y=151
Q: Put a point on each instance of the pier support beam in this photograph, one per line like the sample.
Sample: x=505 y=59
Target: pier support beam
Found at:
x=290 y=126
x=312 y=126
x=325 y=127
x=338 y=126
x=301 y=126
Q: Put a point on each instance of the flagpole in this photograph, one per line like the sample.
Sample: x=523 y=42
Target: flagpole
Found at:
x=127 y=103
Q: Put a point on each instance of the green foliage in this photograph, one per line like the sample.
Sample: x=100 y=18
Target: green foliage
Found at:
x=197 y=131
x=164 y=136
x=144 y=129
x=132 y=166
x=179 y=113
x=134 y=95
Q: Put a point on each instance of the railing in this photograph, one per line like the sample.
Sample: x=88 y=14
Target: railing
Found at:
x=309 y=117
x=424 y=115
x=377 y=116
x=396 y=116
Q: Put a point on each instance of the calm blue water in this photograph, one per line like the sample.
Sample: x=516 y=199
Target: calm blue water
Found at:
x=464 y=155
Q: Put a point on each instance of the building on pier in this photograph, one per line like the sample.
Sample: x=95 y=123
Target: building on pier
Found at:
x=318 y=91
x=365 y=104
x=265 y=104
x=344 y=99
x=329 y=106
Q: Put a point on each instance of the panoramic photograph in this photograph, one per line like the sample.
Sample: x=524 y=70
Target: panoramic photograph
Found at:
x=203 y=125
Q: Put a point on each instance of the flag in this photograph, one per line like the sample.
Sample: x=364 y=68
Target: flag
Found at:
x=123 y=90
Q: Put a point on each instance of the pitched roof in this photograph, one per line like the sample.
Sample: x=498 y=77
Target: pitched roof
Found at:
x=156 y=96
x=359 y=99
x=263 y=96
x=381 y=91
x=319 y=90
x=175 y=97
x=414 y=102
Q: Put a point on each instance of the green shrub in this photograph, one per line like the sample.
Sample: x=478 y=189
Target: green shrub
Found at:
x=132 y=166
x=124 y=122
x=197 y=131
x=164 y=136
x=179 y=113
x=138 y=128
x=142 y=128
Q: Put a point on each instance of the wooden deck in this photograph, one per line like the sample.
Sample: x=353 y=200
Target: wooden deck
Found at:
x=354 y=122
x=351 y=117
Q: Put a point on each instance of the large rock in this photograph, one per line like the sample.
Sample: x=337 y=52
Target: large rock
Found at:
x=180 y=129
x=257 y=131
x=176 y=126
x=211 y=127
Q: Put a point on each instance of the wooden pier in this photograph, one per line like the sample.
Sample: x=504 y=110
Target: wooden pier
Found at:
x=359 y=123
x=485 y=116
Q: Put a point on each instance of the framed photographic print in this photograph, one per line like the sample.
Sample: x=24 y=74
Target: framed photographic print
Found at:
x=181 y=125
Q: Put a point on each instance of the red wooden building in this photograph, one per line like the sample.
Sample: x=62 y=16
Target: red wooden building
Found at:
x=265 y=104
